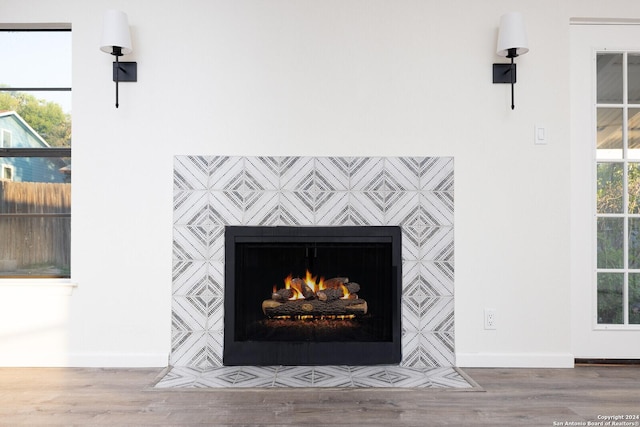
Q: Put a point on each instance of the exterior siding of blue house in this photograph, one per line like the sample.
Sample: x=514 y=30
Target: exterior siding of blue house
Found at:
x=16 y=133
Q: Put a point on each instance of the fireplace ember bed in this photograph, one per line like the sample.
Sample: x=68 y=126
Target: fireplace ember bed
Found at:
x=312 y=295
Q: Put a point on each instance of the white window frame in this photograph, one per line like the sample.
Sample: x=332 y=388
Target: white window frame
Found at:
x=4 y=133
x=5 y=167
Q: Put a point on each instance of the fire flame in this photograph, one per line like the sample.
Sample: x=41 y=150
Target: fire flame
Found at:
x=295 y=287
x=345 y=292
x=310 y=280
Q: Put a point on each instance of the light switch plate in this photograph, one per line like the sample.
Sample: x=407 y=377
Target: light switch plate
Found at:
x=540 y=134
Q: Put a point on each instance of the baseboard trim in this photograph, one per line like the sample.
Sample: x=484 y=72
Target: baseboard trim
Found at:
x=119 y=360
x=85 y=360
x=515 y=360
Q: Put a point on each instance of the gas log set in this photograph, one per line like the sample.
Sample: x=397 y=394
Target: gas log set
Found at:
x=310 y=299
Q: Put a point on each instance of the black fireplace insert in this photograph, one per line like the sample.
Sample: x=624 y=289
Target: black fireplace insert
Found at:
x=312 y=295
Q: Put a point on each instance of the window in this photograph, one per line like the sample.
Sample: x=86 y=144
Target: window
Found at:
x=618 y=188
x=5 y=139
x=35 y=152
x=7 y=173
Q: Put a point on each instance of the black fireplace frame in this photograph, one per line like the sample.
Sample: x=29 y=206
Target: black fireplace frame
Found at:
x=264 y=353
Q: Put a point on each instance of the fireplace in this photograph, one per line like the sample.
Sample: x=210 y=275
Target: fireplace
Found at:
x=214 y=192
x=312 y=295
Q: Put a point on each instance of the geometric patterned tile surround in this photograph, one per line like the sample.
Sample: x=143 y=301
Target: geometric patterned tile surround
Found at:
x=316 y=377
x=415 y=193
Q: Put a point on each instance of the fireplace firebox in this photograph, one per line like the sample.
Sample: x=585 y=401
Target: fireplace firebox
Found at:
x=312 y=295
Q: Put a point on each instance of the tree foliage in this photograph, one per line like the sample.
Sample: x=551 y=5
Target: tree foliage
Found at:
x=45 y=117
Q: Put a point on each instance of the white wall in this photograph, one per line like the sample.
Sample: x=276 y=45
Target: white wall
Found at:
x=310 y=77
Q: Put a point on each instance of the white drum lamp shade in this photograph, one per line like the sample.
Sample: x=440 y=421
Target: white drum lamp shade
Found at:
x=115 y=33
x=512 y=35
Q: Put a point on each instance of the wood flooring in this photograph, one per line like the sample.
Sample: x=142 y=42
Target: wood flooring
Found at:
x=510 y=397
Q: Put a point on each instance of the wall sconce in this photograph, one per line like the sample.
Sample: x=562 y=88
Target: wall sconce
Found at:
x=116 y=40
x=512 y=42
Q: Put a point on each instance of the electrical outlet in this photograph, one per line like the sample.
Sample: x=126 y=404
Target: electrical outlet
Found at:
x=489 y=318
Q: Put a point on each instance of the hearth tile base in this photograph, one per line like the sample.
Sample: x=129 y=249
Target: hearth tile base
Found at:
x=379 y=376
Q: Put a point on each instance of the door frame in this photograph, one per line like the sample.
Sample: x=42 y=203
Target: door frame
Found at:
x=590 y=340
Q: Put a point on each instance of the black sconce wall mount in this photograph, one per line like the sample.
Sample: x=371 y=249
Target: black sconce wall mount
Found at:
x=512 y=42
x=116 y=40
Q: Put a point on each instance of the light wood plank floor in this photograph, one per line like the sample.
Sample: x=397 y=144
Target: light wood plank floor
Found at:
x=511 y=397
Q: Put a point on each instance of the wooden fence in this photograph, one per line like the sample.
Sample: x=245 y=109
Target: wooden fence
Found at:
x=35 y=226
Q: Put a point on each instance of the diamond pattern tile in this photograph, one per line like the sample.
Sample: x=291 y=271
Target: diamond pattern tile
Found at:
x=370 y=376
x=255 y=376
x=332 y=376
x=407 y=377
x=437 y=174
x=314 y=377
x=189 y=313
x=297 y=174
x=366 y=174
x=427 y=278
x=215 y=277
x=415 y=351
x=191 y=207
x=186 y=348
x=178 y=377
x=226 y=173
x=214 y=343
x=191 y=242
x=366 y=208
x=215 y=313
x=298 y=207
x=415 y=193
x=294 y=376
x=405 y=171
x=215 y=248
x=332 y=174
x=262 y=173
x=226 y=207
x=189 y=277
x=438 y=208
x=406 y=210
x=191 y=172
x=218 y=377
x=331 y=208
x=423 y=314
x=261 y=208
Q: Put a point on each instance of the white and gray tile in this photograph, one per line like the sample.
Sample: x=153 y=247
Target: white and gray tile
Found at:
x=314 y=377
x=415 y=193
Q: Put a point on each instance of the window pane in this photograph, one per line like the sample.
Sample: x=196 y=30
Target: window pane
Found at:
x=633 y=179
x=35 y=246
x=610 y=243
x=609 y=78
x=634 y=242
x=610 y=298
x=633 y=67
x=35 y=58
x=46 y=113
x=634 y=298
x=610 y=188
x=633 y=134
x=609 y=133
x=35 y=224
